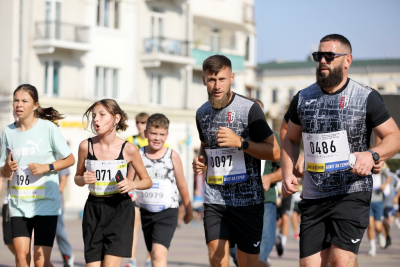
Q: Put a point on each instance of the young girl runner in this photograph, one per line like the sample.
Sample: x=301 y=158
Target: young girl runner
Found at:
x=28 y=158
x=109 y=215
x=159 y=205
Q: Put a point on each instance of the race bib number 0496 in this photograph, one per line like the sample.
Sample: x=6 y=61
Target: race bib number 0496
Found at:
x=225 y=166
x=326 y=152
x=26 y=185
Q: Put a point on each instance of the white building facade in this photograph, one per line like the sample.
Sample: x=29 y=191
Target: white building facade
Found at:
x=145 y=54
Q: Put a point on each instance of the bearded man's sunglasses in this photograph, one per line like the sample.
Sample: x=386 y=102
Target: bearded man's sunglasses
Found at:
x=329 y=56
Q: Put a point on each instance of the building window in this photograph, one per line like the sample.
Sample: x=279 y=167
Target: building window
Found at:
x=106 y=83
x=108 y=13
x=398 y=89
x=252 y=92
x=215 y=40
x=157 y=23
x=156 y=89
x=52 y=78
x=275 y=96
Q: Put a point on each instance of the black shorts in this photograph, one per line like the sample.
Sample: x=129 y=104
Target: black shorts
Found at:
x=107 y=227
x=286 y=206
x=340 y=220
x=240 y=225
x=7 y=234
x=158 y=227
x=44 y=226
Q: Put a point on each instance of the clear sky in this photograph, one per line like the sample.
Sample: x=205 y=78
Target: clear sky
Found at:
x=290 y=29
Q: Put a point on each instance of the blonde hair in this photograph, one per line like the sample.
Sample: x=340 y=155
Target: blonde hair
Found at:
x=157 y=120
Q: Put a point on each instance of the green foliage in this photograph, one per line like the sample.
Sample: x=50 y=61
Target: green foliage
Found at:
x=394 y=164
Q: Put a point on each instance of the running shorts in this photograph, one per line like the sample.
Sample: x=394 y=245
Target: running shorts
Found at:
x=340 y=220
x=240 y=225
x=7 y=233
x=158 y=227
x=44 y=226
x=107 y=227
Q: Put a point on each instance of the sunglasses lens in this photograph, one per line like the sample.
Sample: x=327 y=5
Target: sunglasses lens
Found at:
x=316 y=56
x=329 y=56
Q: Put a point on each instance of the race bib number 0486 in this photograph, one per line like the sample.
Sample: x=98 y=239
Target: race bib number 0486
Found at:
x=326 y=152
x=225 y=166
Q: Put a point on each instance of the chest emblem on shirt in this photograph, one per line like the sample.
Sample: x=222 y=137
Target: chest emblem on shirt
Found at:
x=230 y=117
x=344 y=102
x=29 y=142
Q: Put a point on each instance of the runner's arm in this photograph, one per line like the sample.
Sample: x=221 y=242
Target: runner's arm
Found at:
x=83 y=177
x=182 y=186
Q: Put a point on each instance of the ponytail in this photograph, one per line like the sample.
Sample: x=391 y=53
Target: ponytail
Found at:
x=49 y=114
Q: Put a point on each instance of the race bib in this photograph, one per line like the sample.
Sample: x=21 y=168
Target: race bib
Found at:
x=326 y=152
x=157 y=198
x=225 y=166
x=105 y=171
x=26 y=185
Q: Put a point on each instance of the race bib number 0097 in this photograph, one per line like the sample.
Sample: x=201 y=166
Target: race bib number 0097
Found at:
x=225 y=166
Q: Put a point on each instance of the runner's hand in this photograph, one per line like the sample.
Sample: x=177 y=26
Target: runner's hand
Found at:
x=188 y=217
x=37 y=169
x=10 y=166
x=89 y=177
x=198 y=164
x=289 y=186
x=378 y=167
x=125 y=186
x=227 y=138
x=363 y=164
x=266 y=182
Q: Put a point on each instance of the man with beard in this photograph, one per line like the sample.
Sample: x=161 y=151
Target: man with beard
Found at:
x=234 y=137
x=335 y=116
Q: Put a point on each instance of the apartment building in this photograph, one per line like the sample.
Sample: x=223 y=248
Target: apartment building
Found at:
x=146 y=54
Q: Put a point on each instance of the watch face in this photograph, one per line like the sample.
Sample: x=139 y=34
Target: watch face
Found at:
x=245 y=144
x=375 y=156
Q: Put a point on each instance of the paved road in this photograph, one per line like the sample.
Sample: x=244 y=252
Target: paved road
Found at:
x=188 y=249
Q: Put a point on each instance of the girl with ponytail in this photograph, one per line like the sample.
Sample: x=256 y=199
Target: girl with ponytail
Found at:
x=29 y=148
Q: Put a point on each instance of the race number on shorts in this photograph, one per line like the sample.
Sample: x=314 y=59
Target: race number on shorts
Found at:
x=225 y=166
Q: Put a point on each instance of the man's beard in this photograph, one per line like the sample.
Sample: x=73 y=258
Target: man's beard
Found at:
x=218 y=104
x=334 y=77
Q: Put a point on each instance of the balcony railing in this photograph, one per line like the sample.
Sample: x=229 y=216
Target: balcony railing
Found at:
x=62 y=31
x=166 y=46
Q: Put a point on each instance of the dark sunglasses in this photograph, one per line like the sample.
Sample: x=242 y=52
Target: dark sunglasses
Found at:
x=329 y=56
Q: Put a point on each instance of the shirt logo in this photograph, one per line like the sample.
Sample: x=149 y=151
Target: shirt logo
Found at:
x=230 y=117
x=205 y=117
x=311 y=101
x=355 y=241
x=344 y=102
x=29 y=142
x=256 y=244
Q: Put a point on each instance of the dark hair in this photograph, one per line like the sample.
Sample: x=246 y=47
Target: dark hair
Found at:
x=157 y=120
x=113 y=108
x=339 y=38
x=215 y=63
x=49 y=114
x=142 y=116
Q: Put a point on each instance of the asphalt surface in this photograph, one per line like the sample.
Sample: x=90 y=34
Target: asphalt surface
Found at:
x=188 y=249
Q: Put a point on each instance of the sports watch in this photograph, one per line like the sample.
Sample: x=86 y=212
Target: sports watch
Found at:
x=375 y=155
x=245 y=145
x=51 y=166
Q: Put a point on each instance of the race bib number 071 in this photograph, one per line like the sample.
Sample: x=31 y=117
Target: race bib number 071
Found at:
x=225 y=166
x=326 y=152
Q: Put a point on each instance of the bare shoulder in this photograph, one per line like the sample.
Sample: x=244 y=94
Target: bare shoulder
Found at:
x=130 y=148
x=175 y=157
x=83 y=146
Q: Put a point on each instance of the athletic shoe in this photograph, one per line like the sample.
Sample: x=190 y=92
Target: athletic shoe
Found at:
x=382 y=241
x=69 y=260
x=279 y=245
x=296 y=236
x=388 y=241
x=131 y=263
x=148 y=263
x=372 y=252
